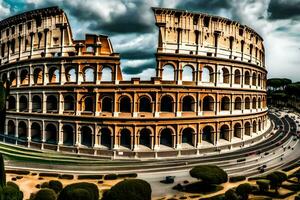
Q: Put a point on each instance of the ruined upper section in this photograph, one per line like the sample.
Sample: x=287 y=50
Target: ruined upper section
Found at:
x=46 y=33
x=183 y=32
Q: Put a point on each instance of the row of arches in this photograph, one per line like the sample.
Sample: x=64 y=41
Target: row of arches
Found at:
x=145 y=103
x=166 y=137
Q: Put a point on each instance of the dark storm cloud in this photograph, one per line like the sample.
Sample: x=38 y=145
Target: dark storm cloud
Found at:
x=137 y=70
x=211 y=6
x=284 y=9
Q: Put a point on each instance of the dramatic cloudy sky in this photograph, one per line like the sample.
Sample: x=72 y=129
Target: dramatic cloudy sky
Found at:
x=130 y=25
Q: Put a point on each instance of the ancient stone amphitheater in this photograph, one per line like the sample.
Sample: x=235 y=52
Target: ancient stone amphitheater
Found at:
x=68 y=95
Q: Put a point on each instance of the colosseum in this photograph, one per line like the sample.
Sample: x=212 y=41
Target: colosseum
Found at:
x=67 y=95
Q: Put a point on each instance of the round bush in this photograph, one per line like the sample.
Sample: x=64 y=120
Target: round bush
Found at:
x=263 y=185
x=244 y=190
x=12 y=184
x=231 y=195
x=210 y=174
x=45 y=194
x=67 y=192
x=45 y=185
x=133 y=189
x=57 y=186
x=80 y=194
x=12 y=193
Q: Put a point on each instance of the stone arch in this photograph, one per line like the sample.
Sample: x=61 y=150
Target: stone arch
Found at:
x=125 y=104
x=38 y=76
x=188 y=136
x=237 y=130
x=68 y=135
x=36 y=103
x=238 y=103
x=259 y=102
x=166 y=137
x=247 y=78
x=51 y=134
x=225 y=132
x=259 y=80
x=145 y=137
x=23 y=103
x=24 y=77
x=71 y=74
x=166 y=103
x=86 y=136
x=259 y=125
x=69 y=103
x=87 y=103
x=11 y=128
x=22 y=130
x=208 y=134
x=11 y=103
x=225 y=75
x=188 y=73
x=52 y=103
x=168 y=72
x=54 y=75
x=107 y=104
x=208 y=103
x=208 y=74
x=106 y=137
x=36 y=132
x=125 y=138
x=145 y=104
x=237 y=76
x=253 y=103
x=247 y=103
x=247 y=128
x=188 y=103
x=254 y=78
x=254 y=126
x=106 y=73
x=89 y=74
x=225 y=103
x=13 y=78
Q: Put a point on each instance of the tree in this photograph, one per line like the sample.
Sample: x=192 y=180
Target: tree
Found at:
x=231 y=195
x=57 y=186
x=210 y=174
x=70 y=191
x=10 y=192
x=133 y=189
x=276 y=179
x=2 y=172
x=45 y=194
x=244 y=190
x=263 y=185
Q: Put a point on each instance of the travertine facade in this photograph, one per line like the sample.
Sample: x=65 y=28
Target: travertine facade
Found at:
x=68 y=95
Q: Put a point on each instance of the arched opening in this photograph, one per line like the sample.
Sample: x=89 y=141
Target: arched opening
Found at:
x=54 y=75
x=71 y=75
x=125 y=104
x=4 y=77
x=188 y=104
x=225 y=76
x=238 y=103
x=69 y=103
x=188 y=136
x=106 y=74
x=106 y=138
x=237 y=77
x=86 y=136
x=125 y=138
x=208 y=103
x=166 y=104
x=259 y=80
x=11 y=128
x=89 y=74
x=254 y=103
x=259 y=103
x=36 y=103
x=68 y=135
x=22 y=130
x=237 y=130
x=207 y=74
x=90 y=49
x=24 y=77
x=188 y=73
x=166 y=137
x=107 y=104
x=225 y=103
x=51 y=134
x=12 y=78
x=38 y=76
x=145 y=104
x=145 y=137
x=247 y=78
x=11 y=103
x=254 y=78
x=259 y=125
x=247 y=103
x=168 y=73
x=224 y=132
x=254 y=126
x=208 y=134
x=247 y=128
x=88 y=104
x=36 y=134
x=23 y=103
x=51 y=103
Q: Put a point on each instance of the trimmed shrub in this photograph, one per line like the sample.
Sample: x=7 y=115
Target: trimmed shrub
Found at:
x=2 y=172
x=45 y=194
x=276 y=178
x=80 y=194
x=110 y=177
x=133 y=189
x=49 y=175
x=91 y=188
x=231 y=195
x=66 y=176
x=57 y=186
x=80 y=177
x=12 y=184
x=235 y=179
x=130 y=175
x=210 y=174
x=244 y=190
x=18 y=172
x=45 y=185
x=11 y=193
x=263 y=185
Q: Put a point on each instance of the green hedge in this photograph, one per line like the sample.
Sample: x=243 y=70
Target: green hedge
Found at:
x=68 y=191
x=210 y=174
x=80 y=177
x=49 y=175
x=235 y=179
x=18 y=172
x=45 y=194
x=57 y=186
x=129 y=175
x=110 y=177
x=66 y=176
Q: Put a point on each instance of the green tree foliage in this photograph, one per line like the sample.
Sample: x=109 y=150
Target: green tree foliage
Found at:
x=231 y=195
x=2 y=172
x=10 y=192
x=57 y=186
x=80 y=194
x=263 y=185
x=69 y=190
x=243 y=190
x=210 y=174
x=133 y=189
x=45 y=194
x=276 y=179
